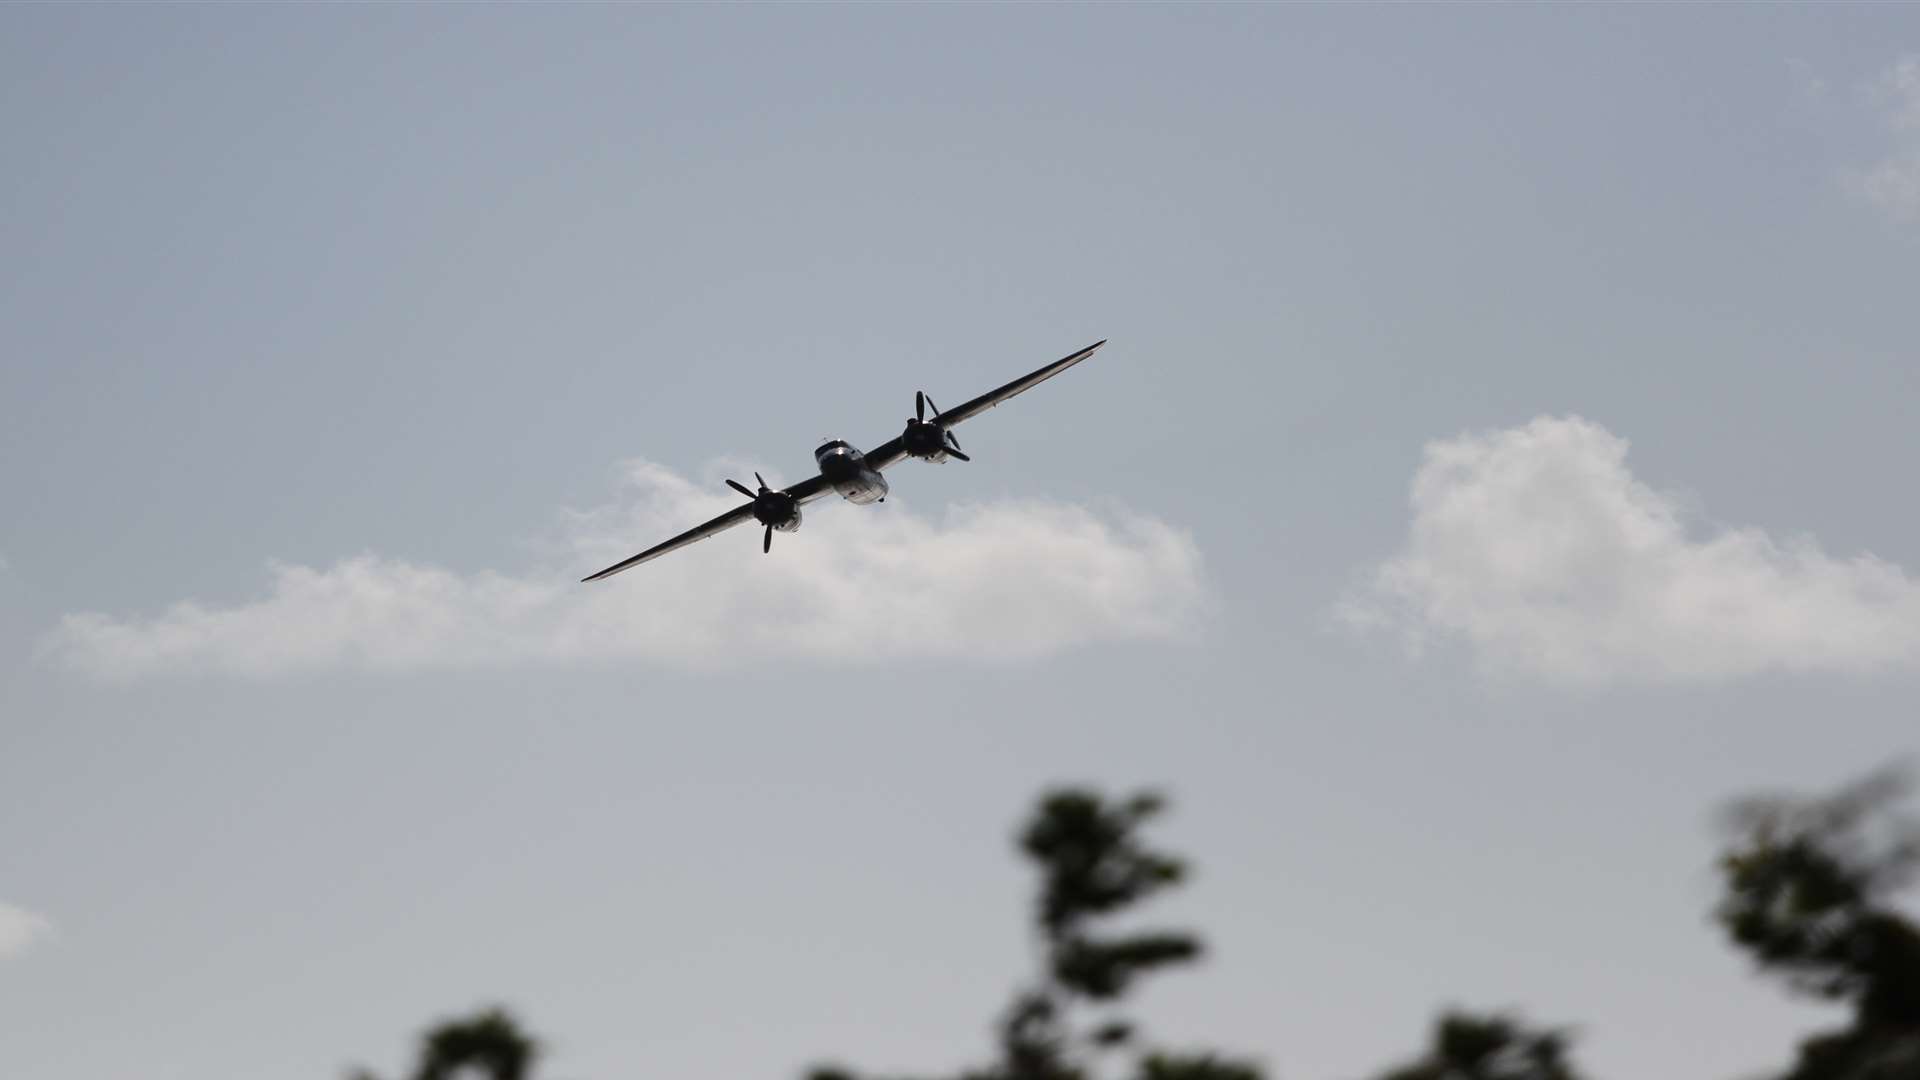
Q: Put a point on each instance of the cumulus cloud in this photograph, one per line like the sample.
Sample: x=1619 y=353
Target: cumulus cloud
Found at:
x=1806 y=80
x=996 y=581
x=1541 y=550
x=20 y=928
x=1899 y=86
x=1893 y=184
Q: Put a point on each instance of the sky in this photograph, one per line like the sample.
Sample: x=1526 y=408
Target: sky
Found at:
x=1501 y=457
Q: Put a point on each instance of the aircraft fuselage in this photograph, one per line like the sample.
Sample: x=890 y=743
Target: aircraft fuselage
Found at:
x=846 y=469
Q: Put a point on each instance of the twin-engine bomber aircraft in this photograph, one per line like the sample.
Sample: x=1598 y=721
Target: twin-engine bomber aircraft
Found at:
x=852 y=475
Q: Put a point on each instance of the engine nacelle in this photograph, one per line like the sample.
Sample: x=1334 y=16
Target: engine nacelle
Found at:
x=925 y=441
x=778 y=509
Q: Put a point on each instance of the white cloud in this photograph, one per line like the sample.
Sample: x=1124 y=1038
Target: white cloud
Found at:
x=1539 y=548
x=1807 y=81
x=997 y=581
x=1893 y=185
x=1899 y=85
x=20 y=928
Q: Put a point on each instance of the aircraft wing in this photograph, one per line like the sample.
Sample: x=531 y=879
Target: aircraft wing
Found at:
x=893 y=450
x=887 y=452
x=1018 y=386
x=810 y=489
x=728 y=520
x=803 y=492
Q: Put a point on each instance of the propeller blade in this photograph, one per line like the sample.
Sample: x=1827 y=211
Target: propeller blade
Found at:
x=763 y=483
x=951 y=440
x=919 y=405
x=936 y=409
x=955 y=452
x=766 y=546
x=740 y=487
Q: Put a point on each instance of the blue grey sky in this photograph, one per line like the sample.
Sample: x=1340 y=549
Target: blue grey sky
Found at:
x=1503 y=454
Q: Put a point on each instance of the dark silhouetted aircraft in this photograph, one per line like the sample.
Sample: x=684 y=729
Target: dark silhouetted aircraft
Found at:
x=850 y=474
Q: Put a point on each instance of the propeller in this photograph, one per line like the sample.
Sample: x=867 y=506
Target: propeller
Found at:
x=766 y=545
x=920 y=402
x=742 y=488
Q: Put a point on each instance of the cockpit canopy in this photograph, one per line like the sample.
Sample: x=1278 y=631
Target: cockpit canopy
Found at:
x=830 y=446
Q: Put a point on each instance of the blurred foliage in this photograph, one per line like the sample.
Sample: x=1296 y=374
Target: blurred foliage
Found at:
x=1093 y=865
x=1811 y=891
x=1194 y=1067
x=489 y=1044
x=1810 y=886
x=1467 y=1047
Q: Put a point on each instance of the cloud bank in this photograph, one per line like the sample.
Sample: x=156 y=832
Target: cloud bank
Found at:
x=998 y=581
x=1538 y=547
x=20 y=928
x=1893 y=184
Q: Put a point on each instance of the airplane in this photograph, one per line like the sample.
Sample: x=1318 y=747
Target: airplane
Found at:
x=847 y=472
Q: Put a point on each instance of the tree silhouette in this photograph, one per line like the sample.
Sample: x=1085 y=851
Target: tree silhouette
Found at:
x=1809 y=893
x=490 y=1042
x=1468 y=1047
x=1092 y=866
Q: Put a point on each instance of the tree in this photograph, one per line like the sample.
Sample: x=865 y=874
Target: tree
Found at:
x=1809 y=893
x=1066 y=1024
x=1468 y=1047
x=1092 y=866
x=490 y=1042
